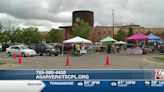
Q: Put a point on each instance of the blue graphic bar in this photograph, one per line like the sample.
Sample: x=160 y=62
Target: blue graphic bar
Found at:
x=104 y=86
x=77 y=74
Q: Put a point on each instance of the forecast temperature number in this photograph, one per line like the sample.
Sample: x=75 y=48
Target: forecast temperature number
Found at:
x=52 y=72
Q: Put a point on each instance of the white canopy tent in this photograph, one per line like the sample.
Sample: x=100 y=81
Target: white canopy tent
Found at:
x=120 y=42
x=75 y=40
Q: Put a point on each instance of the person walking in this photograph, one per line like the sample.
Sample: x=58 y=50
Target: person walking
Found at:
x=142 y=47
x=77 y=46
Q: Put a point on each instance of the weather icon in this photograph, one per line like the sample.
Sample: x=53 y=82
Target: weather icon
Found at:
x=113 y=83
x=80 y=84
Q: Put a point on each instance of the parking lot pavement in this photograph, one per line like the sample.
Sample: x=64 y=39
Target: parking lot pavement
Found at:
x=90 y=61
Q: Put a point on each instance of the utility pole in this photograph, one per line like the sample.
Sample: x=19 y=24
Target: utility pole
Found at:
x=113 y=21
x=9 y=28
x=9 y=32
x=9 y=25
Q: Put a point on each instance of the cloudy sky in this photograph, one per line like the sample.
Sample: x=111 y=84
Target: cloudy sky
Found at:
x=47 y=14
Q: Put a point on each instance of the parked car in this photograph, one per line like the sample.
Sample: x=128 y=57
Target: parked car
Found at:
x=20 y=50
x=52 y=44
x=4 y=46
x=0 y=47
x=161 y=47
x=45 y=49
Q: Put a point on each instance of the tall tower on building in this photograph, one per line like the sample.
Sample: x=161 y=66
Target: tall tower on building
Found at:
x=87 y=16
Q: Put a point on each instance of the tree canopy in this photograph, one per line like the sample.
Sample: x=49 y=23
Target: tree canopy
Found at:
x=17 y=36
x=54 y=35
x=31 y=35
x=26 y=35
x=130 y=32
x=4 y=35
x=81 y=29
x=1 y=26
x=148 y=32
x=120 y=35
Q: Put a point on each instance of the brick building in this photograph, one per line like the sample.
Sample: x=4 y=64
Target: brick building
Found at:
x=67 y=31
x=100 y=32
x=85 y=15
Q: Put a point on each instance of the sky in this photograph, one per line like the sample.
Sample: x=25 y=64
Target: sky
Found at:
x=47 y=14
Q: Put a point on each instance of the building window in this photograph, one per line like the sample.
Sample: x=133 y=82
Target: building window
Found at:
x=99 y=33
x=109 y=32
x=104 y=32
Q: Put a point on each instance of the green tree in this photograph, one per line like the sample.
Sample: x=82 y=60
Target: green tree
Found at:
x=1 y=33
x=1 y=26
x=54 y=35
x=81 y=29
x=4 y=35
x=120 y=35
x=148 y=32
x=17 y=36
x=130 y=31
x=31 y=35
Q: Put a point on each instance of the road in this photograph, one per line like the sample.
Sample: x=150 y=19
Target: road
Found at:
x=90 y=61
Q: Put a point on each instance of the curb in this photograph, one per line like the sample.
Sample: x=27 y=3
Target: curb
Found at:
x=152 y=60
x=5 y=66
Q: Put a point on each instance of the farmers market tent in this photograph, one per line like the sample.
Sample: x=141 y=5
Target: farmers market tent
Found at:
x=108 y=39
x=120 y=42
x=77 y=39
x=138 y=36
x=153 y=38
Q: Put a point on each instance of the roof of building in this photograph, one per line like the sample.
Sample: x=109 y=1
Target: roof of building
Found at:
x=65 y=26
x=83 y=11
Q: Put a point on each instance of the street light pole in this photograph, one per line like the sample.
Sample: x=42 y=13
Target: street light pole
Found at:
x=113 y=21
x=9 y=32
x=9 y=28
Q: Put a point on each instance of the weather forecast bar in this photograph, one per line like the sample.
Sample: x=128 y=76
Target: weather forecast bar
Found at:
x=77 y=74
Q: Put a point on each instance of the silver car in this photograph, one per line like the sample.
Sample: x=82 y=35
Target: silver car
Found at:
x=20 y=50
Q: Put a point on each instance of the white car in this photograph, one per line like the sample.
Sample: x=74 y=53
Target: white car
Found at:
x=0 y=47
x=20 y=50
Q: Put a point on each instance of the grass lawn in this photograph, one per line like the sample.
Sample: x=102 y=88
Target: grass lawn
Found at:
x=160 y=58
